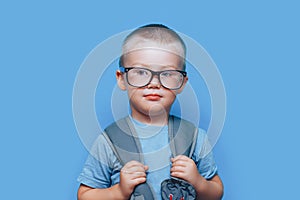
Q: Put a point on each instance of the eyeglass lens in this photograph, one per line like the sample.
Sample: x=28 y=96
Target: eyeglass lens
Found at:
x=140 y=77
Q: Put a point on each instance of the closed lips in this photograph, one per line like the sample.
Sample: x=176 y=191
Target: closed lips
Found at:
x=154 y=95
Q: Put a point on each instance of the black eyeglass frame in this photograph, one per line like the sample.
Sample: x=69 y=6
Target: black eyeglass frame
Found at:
x=153 y=73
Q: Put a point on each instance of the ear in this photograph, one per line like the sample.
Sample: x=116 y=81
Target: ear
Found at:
x=183 y=85
x=120 y=80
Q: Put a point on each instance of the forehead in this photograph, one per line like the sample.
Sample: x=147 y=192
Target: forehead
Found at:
x=152 y=57
x=138 y=42
x=152 y=53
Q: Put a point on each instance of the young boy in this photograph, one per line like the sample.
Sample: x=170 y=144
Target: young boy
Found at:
x=152 y=71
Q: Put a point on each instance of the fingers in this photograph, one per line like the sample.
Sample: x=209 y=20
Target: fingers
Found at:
x=134 y=167
x=180 y=157
x=178 y=165
x=181 y=161
x=183 y=167
x=132 y=174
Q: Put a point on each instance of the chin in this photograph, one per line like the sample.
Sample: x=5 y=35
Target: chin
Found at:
x=157 y=110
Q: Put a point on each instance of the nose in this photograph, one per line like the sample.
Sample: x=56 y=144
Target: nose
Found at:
x=154 y=83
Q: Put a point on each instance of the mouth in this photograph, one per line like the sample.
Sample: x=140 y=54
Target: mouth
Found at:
x=152 y=97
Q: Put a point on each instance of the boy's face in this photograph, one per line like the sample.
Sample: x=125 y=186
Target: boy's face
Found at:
x=153 y=99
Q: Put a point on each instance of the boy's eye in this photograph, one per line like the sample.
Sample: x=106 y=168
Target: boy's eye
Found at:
x=168 y=74
x=141 y=72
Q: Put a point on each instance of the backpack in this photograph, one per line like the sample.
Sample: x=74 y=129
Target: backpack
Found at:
x=121 y=136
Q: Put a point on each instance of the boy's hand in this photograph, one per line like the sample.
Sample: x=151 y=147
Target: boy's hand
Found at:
x=132 y=174
x=185 y=168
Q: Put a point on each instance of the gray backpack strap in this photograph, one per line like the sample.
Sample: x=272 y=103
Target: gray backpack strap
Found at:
x=123 y=140
x=183 y=136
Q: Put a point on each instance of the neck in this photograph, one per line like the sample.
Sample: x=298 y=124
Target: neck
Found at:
x=156 y=120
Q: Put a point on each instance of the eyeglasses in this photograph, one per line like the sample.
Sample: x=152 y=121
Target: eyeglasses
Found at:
x=140 y=77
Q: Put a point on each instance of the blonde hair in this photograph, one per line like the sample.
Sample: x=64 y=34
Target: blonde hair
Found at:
x=158 y=33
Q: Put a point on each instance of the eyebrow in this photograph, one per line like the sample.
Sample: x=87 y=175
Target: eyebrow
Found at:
x=161 y=67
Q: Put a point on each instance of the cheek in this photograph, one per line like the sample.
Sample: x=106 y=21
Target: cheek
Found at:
x=172 y=94
x=169 y=98
x=133 y=93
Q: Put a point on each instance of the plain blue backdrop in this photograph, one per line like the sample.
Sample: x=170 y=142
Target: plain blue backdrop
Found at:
x=255 y=45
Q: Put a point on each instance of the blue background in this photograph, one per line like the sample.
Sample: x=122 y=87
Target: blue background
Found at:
x=255 y=45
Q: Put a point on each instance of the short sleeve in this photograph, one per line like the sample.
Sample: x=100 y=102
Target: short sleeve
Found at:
x=100 y=166
x=203 y=156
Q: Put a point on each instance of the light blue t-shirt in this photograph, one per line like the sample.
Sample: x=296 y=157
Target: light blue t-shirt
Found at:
x=102 y=168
